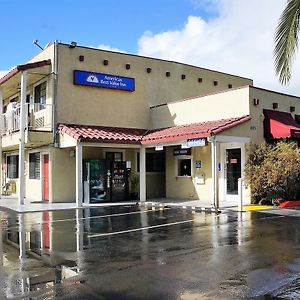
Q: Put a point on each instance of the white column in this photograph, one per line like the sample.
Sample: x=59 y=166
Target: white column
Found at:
x=142 y=174
x=214 y=172
x=79 y=177
x=23 y=116
x=1 y=124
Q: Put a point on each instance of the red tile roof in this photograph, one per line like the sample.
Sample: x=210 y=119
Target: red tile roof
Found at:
x=190 y=131
x=104 y=134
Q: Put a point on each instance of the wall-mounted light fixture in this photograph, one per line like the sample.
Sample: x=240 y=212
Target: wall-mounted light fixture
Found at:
x=183 y=76
x=292 y=108
x=127 y=66
x=72 y=153
x=81 y=57
x=230 y=86
x=105 y=62
x=72 y=45
x=275 y=105
x=168 y=74
x=200 y=79
x=215 y=82
x=148 y=70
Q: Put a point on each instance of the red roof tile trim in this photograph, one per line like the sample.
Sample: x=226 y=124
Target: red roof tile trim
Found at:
x=103 y=134
x=25 y=67
x=190 y=131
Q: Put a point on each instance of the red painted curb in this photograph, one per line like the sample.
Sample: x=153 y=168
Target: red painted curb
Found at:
x=289 y=204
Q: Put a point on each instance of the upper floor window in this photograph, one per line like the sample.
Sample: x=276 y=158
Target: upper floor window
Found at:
x=40 y=96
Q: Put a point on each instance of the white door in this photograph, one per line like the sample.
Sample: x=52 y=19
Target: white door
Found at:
x=232 y=167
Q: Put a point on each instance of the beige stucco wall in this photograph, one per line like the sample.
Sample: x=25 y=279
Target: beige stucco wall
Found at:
x=63 y=175
x=100 y=106
x=228 y=104
x=266 y=99
x=186 y=187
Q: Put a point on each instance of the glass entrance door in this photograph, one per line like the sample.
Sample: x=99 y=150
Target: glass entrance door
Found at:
x=233 y=170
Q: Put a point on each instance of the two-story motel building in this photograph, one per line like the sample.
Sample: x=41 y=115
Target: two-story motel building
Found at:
x=88 y=125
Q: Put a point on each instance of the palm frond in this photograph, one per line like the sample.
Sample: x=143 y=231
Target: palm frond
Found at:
x=286 y=40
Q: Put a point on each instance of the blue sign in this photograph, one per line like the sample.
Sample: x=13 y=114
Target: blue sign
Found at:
x=103 y=80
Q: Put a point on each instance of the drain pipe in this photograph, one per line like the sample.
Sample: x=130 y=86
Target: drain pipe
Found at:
x=54 y=92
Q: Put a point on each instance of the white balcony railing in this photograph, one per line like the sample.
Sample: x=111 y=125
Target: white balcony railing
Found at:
x=39 y=117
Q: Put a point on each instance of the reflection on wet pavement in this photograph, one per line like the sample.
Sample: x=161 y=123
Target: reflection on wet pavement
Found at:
x=137 y=253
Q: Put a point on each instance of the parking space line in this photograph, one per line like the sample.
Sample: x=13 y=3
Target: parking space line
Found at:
x=141 y=228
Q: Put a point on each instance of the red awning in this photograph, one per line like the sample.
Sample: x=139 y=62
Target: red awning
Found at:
x=279 y=124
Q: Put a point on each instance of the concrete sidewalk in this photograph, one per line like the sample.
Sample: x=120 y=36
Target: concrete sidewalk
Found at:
x=8 y=203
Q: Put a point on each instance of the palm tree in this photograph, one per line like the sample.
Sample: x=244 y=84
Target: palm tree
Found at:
x=286 y=40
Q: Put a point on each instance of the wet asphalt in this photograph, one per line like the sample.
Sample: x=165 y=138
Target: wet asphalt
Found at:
x=137 y=253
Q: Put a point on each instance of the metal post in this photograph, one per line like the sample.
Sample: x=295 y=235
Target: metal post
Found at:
x=79 y=177
x=240 y=193
x=142 y=174
x=22 y=138
x=214 y=168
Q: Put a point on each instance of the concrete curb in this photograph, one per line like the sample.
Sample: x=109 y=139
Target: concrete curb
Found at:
x=155 y=205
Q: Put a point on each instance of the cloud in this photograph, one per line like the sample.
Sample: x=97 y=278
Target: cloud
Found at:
x=239 y=40
x=109 y=48
x=2 y=73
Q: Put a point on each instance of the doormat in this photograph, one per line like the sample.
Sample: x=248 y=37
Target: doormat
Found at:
x=38 y=202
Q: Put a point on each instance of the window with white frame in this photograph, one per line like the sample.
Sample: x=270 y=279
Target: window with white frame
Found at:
x=34 y=165
x=12 y=166
x=184 y=166
x=40 y=92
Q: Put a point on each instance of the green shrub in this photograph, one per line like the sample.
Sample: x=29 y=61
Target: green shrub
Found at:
x=272 y=171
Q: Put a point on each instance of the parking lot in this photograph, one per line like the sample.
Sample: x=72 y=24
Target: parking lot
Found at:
x=143 y=253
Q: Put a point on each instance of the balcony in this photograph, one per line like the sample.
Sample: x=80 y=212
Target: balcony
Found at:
x=39 y=118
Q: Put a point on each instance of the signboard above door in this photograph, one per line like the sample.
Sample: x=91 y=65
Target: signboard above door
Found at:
x=199 y=142
x=104 y=80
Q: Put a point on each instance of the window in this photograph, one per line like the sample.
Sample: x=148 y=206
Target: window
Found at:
x=184 y=167
x=12 y=162
x=155 y=162
x=40 y=96
x=114 y=156
x=34 y=165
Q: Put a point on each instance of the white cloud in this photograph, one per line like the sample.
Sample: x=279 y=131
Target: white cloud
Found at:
x=109 y=48
x=2 y=73
x=239 y=41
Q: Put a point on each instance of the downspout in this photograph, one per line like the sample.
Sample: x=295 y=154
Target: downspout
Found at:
x=54 y=92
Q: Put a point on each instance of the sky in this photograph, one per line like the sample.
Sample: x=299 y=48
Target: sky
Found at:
x=233 y=36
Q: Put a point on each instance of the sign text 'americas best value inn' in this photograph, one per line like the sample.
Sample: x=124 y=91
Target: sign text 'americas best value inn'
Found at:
x=103 y=80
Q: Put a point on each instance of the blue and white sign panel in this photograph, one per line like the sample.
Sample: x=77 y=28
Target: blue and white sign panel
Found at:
x=103 y=80
x=196 y=142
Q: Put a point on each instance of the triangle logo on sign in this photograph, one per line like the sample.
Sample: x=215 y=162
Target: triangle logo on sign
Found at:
x=92 y=78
